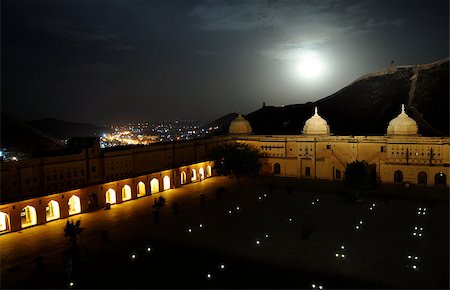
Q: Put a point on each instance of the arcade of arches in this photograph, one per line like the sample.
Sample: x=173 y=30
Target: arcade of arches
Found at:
x=53 y=209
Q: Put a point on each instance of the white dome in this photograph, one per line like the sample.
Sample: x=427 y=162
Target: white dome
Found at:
x=316 y=125
x=240 y=126
x=402 y=125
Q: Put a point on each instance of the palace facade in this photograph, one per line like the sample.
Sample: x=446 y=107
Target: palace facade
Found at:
x=85 y=178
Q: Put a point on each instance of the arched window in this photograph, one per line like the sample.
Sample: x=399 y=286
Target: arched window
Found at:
x=398 y=176
x=208 y=171
x=141 y=189
x=4 y=222
x=110 y=196
x=201 y=173
x=193 y=175
x=422 y=178
x=440 y=179
x=154 y=185
x=74 y=205
x=183 y=177
x=28 y=216
x=277 y=168
x=52 y=211
x=166 y=182
x=126 y=193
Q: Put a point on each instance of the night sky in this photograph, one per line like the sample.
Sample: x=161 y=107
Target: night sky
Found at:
x=129 y=60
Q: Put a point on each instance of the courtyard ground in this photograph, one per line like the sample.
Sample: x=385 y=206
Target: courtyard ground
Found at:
x=285 y=234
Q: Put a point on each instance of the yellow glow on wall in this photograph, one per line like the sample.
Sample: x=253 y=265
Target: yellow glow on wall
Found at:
x=74 y=205
x=194 y=175
x=201 y=173
x=208 y=171
x=141 y=189
x=126 y=193
x=52 y=210
x=166 y=182
x=154 y=185
x=4 y=222
x=110 y=196
x=183 y=177
x=28 y=216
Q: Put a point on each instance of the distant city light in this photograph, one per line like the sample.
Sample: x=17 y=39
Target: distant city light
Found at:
x=149 y=249
x=133 y=256
x=209 y=276
x=258 y=242
x=222 y=266
x=189 y=230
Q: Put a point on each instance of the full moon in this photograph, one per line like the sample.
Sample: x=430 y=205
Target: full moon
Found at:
x=309 y=65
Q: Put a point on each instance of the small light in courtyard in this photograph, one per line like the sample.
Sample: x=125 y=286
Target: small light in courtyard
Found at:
x=71 y=284
x=343 y=247
x=414 y=234
x=409 y=257
x=208 y=276
x=133 y=256
x=222 y=266
x=415 y=267
x=342 y=256
x=370 y=208
x=259 y=197
x=416 y=258
x=189 y=230
x=357 y=227
x=420 y=234
x=265 y=194
x=238 y=207
x=312 y=203
x=266 y=236
x=320 y=287
x=313 y=286
x=149 y=249
x=360 y=222
x=258 y=242
x=290 y=219
x=229 y=212
x=336 y=255
x=200 y=225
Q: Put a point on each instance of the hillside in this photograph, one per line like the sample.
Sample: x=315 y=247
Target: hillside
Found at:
x=366 y=106
x=21 y=137
x=65 y=130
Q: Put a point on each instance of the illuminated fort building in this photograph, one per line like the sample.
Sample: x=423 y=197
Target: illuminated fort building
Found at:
x=39 y=190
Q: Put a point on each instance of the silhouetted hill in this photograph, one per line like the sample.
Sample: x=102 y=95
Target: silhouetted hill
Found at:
x=221 y=124
x=366 y=106
x=65 y=130
x=21 y=137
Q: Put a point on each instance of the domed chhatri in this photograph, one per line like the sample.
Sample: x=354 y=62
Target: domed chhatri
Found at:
x=402 y=125
x=240 y=126
x=316 y=125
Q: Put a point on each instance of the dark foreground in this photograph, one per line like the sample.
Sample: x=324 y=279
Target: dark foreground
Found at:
x=296 y=254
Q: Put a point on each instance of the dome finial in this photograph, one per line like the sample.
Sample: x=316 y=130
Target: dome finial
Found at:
x=403 y=108
x=315 y=110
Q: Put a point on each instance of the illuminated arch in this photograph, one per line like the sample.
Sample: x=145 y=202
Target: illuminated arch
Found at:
x=4 y=222
x=208 y=171
x=193 y=175
x=166 y=182
x=398 y=176
x=74 y=205
x=141 y=189
x=440 y=178
x=110 y=196
x=126 y=193
x=52 y=211
x=28 y=216
x=422 y=178
x=201 y=173
x=183 y=177
x=154 y=185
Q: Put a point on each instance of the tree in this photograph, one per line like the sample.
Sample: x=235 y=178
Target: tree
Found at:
x=236 y=160
x=360 y=175
x=72 y=231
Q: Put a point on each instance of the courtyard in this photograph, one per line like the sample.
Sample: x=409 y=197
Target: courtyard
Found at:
x=269 y=232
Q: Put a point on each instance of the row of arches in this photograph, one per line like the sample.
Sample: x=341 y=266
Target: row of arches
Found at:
x=196 y=176
x=29 y=214
x=422 y=178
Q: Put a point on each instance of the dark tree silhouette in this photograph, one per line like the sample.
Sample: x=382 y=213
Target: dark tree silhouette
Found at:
x=360 y=175
x=72 y=231
x=236 y=160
